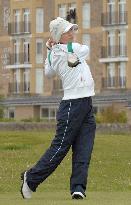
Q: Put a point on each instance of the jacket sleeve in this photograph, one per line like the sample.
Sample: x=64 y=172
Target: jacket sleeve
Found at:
x=49 y=71
x=57 y=60
x=82 y=51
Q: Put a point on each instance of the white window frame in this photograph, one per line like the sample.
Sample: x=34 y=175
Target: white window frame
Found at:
x=39 y=81
x=39 y=57
x=26 y=20
x=9 y=110
x=122 y=42
x=111 y=6
x=62 y=10
x=26 y=81
x=122 y=10
x=17 y=21
x=86 y=41
x=111 y=74
x=86 y=15
x=39 y=20
x=122 y=74
x=49 y=117
x=17 y=52
x=17 y=81
x=26 y=51
x=111 y=43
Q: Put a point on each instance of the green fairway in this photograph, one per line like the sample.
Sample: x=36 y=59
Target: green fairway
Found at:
x=63 y=198
x=109 y=175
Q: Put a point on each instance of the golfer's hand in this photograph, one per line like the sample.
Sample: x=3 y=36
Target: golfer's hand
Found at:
x=50 y=43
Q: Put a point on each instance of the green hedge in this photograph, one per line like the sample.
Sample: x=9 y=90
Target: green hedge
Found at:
x=111 y=115
x=1 y=112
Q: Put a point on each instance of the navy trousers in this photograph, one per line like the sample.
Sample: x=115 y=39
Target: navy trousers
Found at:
x=75 y=127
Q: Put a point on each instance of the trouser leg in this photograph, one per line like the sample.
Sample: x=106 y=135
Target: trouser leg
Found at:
x=81 y=153
x=67 y=128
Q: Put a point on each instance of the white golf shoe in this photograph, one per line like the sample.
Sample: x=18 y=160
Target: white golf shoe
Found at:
x=78 y=195
x=26 y=192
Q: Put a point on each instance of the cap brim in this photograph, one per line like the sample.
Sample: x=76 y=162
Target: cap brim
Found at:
x=75 y=26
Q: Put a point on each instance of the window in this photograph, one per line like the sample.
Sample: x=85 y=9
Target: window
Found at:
x=122 y=11
x=39 y=20
x=68 y=12
x=52 y=113
x=26 y=18
x=17 y=81
x=16 y=21
x=111 y=75
x=62 y=10
x=45 y=113
x=122 y=43
x=111 y=44
x=26 y=51
x=11 y=113
x=122 y=75
x=111 y=11
x=48 y=113
x=39 y=50
x=39 y=81
x=86 y=15
x=26 y=84
x=16 y=52
x=86 y=41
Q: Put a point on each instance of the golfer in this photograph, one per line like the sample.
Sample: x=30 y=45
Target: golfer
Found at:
x=75 y=120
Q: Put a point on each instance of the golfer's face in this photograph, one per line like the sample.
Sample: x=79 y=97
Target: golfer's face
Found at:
x=68 y=36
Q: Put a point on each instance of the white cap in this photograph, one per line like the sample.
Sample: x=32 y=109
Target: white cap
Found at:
x=59 y=26
x=75 y=27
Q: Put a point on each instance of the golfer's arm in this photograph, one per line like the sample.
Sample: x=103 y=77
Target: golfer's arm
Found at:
x=82 y=51
x=49 y=72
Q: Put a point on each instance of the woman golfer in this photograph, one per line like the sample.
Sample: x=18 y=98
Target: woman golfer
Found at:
x=75 y=121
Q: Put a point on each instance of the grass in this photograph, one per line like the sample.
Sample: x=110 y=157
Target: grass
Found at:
x=63 y=198
x=109 y=175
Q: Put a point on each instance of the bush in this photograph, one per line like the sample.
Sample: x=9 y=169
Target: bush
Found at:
x=1 y=108
x=1 y=112
x=31 y=120
x=38 y=120
x=27 y=120
x=7 y=120
x=111 y=115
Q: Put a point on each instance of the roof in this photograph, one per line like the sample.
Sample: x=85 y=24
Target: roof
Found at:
x=31 y=100
x=98 y=99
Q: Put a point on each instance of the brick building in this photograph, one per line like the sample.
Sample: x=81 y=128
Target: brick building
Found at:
x=4 y=45
x=104 y=25
x=115 y=54
x=28 y=32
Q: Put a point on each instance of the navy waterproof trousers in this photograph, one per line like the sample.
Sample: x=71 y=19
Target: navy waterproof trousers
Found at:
x=75 y=127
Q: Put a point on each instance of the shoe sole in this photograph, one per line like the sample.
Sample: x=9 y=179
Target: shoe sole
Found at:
x=77 y=196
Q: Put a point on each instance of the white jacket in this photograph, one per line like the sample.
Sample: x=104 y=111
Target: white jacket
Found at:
x=77 y=81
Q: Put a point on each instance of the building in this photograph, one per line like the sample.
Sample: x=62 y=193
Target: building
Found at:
x=30 y=94
x=4 y=45
x=28 y=33
x=116 y=53
x=104 y=25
